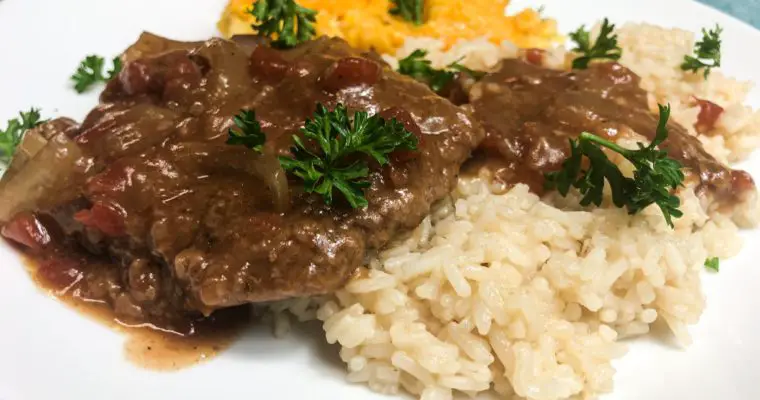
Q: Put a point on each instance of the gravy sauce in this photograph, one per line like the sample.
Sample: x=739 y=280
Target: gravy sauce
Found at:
x=170 y=347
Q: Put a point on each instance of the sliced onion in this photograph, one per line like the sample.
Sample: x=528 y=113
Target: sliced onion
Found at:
x=149 y=45
x=32 y=143
x=249 y=42
x=268 y=168
x=45 y=177
x=214 y=157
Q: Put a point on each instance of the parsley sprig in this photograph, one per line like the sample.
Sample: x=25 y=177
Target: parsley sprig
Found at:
x=706 y=53
x=655 y=175
x=713 y=264
x=410 y=10
x=90 y=72
x=14 y=132
x=421 y=69
x=604 y=48
x=335 y=165
x=284 y=21
x=248 y=132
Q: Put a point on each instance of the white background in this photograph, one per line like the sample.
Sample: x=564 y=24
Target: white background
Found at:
x=47 y=351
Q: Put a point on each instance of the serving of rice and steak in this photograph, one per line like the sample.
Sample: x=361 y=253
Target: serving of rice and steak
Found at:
x=503 y=285
x=500 y=289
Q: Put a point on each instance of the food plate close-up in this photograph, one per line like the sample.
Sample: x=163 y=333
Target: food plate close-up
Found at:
x=379 y=199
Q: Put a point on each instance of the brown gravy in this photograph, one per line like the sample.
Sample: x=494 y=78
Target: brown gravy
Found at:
x=530 y=113
x=147 y=345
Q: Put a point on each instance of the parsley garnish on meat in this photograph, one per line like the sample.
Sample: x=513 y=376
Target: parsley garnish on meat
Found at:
x=713 y=264
x=410 y=10
x=421 y=69
x=248 y=132
x=604 y=48
x=283 y=21
x=14 y=132
x=90 y=72
x=654 y=177
x=707 y=52
x=328 y=161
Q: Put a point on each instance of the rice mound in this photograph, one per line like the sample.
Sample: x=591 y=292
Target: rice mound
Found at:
x=510 y=293
x=500 y=290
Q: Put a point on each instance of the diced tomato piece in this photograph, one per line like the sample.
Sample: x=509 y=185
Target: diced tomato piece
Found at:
x=135 y=77
x=709 y=113
x=742 y=181
x=350 y=71
x=403 y=116
x=59 y=273
x=115 y=179
x=27 y=230
x=150 y=75
x=179 y=65
x=535 y=56
x=267 y=64
x=107 y=218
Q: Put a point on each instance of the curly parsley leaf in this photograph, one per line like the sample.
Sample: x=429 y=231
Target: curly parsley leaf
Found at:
x=713 y=264
x=248 y=132
x=605 y=46
x=421 y=69
x=326 y=158
x=14 y=132
x=283 y=21
x=410 y=10
x=706 y=53
x=90 y=72
x=654 y=178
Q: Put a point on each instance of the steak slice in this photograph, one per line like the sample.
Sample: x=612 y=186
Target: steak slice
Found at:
x=166 y=193
x=548 y=107
x=314 y=248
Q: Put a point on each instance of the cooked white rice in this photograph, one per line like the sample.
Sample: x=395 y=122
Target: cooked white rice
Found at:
x=656 y=54
x=500 y=290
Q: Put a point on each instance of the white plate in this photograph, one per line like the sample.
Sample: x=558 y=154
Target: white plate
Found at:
x=48 y=351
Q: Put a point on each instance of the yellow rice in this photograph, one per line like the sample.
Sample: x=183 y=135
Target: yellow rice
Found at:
x=367 y=24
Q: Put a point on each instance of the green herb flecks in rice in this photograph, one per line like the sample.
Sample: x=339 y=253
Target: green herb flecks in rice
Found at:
x=706 y=53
